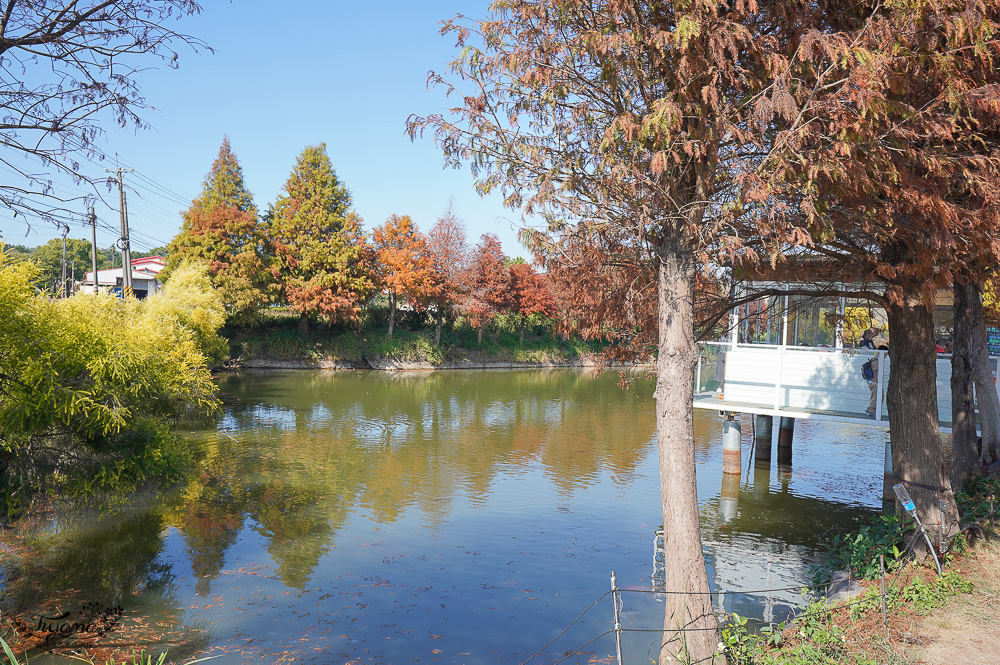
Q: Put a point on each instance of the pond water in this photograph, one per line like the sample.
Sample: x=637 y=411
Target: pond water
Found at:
x=452 y=517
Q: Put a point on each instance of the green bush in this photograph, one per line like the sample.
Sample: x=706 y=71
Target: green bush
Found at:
x=859 y=551
x=404 y=346
x=88 y=383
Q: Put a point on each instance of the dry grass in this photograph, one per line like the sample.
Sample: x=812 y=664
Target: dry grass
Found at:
x=964 y=630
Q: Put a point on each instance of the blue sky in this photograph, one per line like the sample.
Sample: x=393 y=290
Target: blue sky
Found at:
x=344 y=73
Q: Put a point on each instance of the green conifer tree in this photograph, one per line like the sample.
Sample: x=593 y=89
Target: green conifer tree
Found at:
x=322 y=254
x=221 y=229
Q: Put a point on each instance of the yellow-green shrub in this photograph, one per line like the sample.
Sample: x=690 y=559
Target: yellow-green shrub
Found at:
x=87 y=383
x=191 y=300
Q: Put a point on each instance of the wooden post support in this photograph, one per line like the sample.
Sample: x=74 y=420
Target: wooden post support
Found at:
x=762 y=444
x=786 y=433
x=731 y=460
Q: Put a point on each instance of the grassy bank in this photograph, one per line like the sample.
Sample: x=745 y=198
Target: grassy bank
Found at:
x=277 y=338
x=927 y=619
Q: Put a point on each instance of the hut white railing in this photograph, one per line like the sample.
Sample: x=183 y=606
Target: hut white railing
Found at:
x=801 y=379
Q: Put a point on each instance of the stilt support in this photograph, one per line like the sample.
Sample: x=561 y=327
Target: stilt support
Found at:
x=762 y=445
x=786 y=433
x=731 y=460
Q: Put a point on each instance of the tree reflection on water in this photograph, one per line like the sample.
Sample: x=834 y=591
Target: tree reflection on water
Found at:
x=382 y=516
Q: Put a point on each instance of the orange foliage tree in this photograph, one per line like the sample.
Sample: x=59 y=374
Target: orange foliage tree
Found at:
x=449 y=252
x=322 y=253
x=530 y=294
x=487 y=284
x=405 y=265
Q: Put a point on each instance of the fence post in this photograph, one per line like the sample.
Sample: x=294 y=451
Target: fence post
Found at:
x=616 y=601
x=881 y=568
x=769 y=600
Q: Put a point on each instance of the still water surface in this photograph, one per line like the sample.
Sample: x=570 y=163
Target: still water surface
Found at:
x=452 y=517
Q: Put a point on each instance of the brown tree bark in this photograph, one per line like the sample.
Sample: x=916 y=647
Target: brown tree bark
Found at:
x=437 y=328
x=986 y=392
x=392 y=313
x=964 y=457
x=685 y=569
x=914 y=430
x=304 y=324
x=520 y=338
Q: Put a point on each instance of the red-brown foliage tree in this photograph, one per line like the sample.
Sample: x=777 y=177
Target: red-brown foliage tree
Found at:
x=888 y=149
x=487 y=284
x=405 y=266
x=530 y=294
x=620 y=122
x=450 y=252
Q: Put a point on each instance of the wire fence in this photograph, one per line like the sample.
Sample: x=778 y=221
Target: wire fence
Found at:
x=866 y=599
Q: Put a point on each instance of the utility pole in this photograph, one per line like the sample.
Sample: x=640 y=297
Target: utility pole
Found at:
x=93 y=243
x=62 y=284
x=126 y=251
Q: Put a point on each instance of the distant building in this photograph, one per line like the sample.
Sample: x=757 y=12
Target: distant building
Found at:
x=144 y=280
x=150 y=264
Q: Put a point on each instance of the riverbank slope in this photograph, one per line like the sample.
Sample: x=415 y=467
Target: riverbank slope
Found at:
x=287 y=348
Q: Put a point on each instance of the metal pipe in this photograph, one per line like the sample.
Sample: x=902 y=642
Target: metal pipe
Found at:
x=616 y=601
x=911 y=509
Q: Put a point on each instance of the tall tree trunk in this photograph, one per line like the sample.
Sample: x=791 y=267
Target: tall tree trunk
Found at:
x=392 y=313
x=481 y=334
x=304 y=324
x=675 y=442
x=986 y=390
x=437 y=328
x=917 y=454
x=964 y=456
x=520 y=339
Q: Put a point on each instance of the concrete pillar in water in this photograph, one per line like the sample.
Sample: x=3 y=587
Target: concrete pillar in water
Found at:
x=786 y=432
x=731 y=462
x=887 y=478
x=762 y=445
x=729 y=498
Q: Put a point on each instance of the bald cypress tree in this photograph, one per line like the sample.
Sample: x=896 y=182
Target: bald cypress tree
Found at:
x=221 y=229
x=323 y=259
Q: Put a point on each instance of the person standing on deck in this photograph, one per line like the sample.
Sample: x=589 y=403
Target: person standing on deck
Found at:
x=866 y=339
